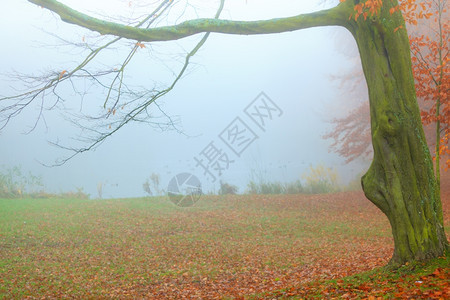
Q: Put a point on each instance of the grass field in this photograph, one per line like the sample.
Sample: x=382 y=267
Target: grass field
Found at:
x=223 y=247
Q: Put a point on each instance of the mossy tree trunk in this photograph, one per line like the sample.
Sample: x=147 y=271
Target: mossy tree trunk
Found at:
x=400 y=180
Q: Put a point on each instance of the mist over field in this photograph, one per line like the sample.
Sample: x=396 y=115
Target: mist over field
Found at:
x=225 y=76
x=197 y=149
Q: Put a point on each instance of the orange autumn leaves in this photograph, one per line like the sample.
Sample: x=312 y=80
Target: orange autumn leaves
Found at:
x=368 y=8
x=428 y=25
x=140 y=45
x=429 y=55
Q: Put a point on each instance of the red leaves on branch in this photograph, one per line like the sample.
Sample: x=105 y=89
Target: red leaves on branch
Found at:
x=428 y=24
x=351 y=134
x=367 y=8
x=140 y=45
x=429 y=49
x=397 y=28
x=61 y=75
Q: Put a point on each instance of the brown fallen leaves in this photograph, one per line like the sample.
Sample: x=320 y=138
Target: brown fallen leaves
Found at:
x=435 y=285
x=225 y=247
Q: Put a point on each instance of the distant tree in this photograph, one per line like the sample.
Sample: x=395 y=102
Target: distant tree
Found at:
x=351 y=134
x=146 y=187
x=153 y=184
x=400 y=181
x=14 y=183
x=430 y=57
x=100 y=186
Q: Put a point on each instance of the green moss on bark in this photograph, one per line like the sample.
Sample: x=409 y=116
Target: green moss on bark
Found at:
x=400 y=180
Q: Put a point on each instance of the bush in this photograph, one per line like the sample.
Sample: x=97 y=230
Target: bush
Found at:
x=318 y=180
x=252 y=187
x=79 y=194
x=227 y=189
x=295 y=187
x=321 y=180
x=354 y=184
x=15 y=184
x=274 y=188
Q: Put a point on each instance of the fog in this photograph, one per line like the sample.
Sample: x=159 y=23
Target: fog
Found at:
x=292 y=69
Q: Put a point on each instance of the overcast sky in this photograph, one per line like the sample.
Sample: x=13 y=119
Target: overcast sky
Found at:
x=292 y=69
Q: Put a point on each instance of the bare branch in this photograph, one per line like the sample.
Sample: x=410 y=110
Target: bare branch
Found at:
x=138 y=109
x=122 y=103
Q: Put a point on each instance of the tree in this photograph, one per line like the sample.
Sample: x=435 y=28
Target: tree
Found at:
x=100 y=186
x=350 y=130
x=400 y=180
x=430 y=48
x=428 y=25
x=351 y=134
x=153 y=184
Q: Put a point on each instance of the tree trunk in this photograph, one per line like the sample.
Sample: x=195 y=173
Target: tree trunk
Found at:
x=400 y=180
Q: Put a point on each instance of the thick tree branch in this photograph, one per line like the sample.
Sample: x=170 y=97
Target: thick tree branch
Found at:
x=337 y=16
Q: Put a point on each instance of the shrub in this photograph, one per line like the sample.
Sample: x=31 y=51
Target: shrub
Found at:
x=274 y=188
x=227 y=189
x=15 y=184
x=79 y=194
x=354 y=184
x=295 y=187
x=320 y=180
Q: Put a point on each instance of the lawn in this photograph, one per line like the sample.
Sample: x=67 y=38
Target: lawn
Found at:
x=242 y=246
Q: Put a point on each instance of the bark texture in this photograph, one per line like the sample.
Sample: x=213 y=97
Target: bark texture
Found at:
x=400 y=180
